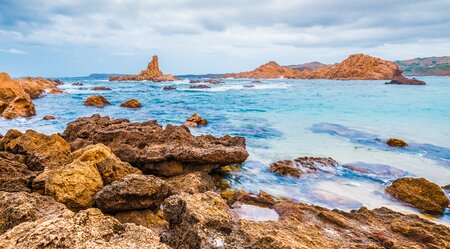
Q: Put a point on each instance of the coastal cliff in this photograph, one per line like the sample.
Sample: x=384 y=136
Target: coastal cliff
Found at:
x=355 y=67
x=151 y=73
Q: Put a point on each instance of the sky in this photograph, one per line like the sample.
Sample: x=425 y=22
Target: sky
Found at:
x=56 y=38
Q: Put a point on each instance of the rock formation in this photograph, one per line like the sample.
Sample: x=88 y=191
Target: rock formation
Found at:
x=201 y=86
x=303 y=165
x=401 y=80
x=355 y=67
x=101 y=88
x=132 y=103
x=97 y=101
x=420 y=193
x=152 y=73
x=170 y=151
x=195 y=120
x=15 y=176
x=14 y=101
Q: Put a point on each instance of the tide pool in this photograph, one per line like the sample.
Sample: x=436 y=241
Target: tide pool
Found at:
x=285 y=119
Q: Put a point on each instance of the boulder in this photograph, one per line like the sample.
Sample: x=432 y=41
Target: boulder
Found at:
x=144 y=217
x=420 y=193
x=101 y=88
x=41 y=151
x=15 y=176
x=14 y=101
x=20 y=207
x=196 y=221
x=49 y=117
x=396 y=142
x=201 y=86
x=192 y=183
x=146 y=145
x=132 y=192
x=214 y=82
x=110 y=167
x=97 y=101
x=36 y=87
x=77 y=84
x=152 y=73
x=75 y=184
x=85 y=229
x=132 y=103
x=401 y=80
x=195 y=120
x=303 y=165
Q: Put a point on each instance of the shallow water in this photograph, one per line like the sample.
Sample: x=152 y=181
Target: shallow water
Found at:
x=285 y=119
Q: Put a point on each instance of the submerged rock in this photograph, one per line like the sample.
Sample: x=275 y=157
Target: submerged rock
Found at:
x=420 y=193
x=401 y=80
x=195 y=120
x=169 y=88
x=377 y=171
x=131 y=193
x=85 y=229
x=132 y=103
x=15 y=176
x=19 y=207
x=170 y=151
x=396 y=142
x=97 y=101
x=151 y=73
x=49 y=117
x=303 y=165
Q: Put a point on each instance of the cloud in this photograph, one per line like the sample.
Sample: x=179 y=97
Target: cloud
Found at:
x=12 y=51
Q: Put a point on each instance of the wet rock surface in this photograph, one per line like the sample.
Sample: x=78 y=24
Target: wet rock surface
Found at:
x=195 y=120
x=146 y=145
x=132 y=192
x=97 y=101
x=303 y=165
x=85 y=229
x=420 y=193
x=132 y=103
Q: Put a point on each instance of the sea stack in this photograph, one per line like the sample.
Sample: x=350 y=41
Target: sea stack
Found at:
x=151 y=73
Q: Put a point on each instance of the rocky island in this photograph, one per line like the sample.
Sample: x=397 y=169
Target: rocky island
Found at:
x=151 y=73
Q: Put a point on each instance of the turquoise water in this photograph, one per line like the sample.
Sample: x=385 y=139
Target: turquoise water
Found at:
x=284 y=119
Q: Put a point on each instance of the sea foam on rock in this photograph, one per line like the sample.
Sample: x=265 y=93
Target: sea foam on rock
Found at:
x=153 y=149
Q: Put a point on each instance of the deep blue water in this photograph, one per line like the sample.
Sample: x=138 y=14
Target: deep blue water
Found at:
x=284 y=119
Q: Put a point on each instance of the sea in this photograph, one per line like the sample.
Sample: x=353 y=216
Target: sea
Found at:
x=348 y=121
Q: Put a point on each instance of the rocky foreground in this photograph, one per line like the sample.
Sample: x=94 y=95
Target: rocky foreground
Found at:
x=355 y=67
x=16 y=94
x=151 y=73
x=112 y=183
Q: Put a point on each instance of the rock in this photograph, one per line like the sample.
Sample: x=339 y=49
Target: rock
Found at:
x=14 y=101
x=396 y=142
x=77 y=84
x=20 y=207
x=85 y=229
x=256 y=81
x=168 y=88
x=101 y=88
x=49 y=117
x=41 y=151
x=303 y=165
x=194 y=81
x=196 y=221
x=131 y=193
x=110 y=167
x=132 y=103
x=401 y=80
x=201 y=86
x=377 y=171
x=152 y=73
x=447 y=187
x=195 y=120
x=193 y=183
x=36 y=87
x=170 y=151
x=57 y=82
x=214 y=82
x=12 y=157
x=249 y=86
x=144 y=217
x=15 y=176
x=97 y=101
x=355 y=67
x=75 y=184
x=420 y=193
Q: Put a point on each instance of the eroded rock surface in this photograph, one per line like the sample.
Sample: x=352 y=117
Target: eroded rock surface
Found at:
x=146 y=145
x=144 y=217
x=420 y=193
x=303 y=165
x=14 y=101
x=192 y=183
x=85 y=229
x=132 y=192
x=15 y=176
